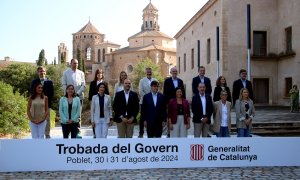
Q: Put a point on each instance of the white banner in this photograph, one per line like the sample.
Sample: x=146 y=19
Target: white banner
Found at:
x=97 y=154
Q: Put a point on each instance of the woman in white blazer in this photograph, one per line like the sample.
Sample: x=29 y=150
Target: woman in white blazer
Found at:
x=101 y=112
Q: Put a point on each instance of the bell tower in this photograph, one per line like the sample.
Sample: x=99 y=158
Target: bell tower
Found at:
x=150 y=18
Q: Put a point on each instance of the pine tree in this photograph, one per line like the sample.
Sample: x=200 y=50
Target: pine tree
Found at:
x=41 y=60
x=63 y=58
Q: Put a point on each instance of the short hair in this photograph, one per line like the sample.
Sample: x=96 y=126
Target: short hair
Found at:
x=243 y=70
x=173 y=68
x=40 y=67
x=201 y=67
x=201 y=84
x=223 y=92
x=294 y=86
x=73 y=60
x=100 y=84
x=148 y=69
x=154 y=83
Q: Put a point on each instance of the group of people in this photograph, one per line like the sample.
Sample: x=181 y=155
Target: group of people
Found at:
x=156 y=109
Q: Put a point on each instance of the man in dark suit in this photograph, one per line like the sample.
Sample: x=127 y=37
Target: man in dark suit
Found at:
x=241 y=83
x=48 y=90
x=201 y=79
x=126 y=107
x=202 y=108
x=154 y=112
x=171 y=84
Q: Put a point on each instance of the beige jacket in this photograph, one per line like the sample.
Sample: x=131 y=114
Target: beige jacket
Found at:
x=218 y=116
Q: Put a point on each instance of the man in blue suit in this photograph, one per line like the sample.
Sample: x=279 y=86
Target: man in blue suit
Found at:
x=202 y=108
x=154 y=112
x=201 y=79
x=48 y=90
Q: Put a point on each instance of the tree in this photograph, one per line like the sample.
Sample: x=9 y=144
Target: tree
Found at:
x=55 y=73
x=63 y=58
x=19 y=76
x=78 y=57
x=54 y=62
x=13 y=118
x=42 y=59
x=46 y=62
x=139 y=71
x=81 y=65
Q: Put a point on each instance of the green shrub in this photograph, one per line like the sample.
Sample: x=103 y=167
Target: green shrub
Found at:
x=52 y=118
x=13 y=117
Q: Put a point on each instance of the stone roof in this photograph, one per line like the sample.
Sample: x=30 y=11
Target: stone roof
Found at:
x=111 y=43
x=89 y=28
x=143 y=48
x=150 y=6
x=152 y=33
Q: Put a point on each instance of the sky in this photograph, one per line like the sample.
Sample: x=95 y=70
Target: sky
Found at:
x=28 y=26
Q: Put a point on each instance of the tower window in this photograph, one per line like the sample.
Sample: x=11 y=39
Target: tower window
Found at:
x=208 y=51
x=88 y=53
x=103 y=56
x=146 y=24
x=99 y=54
x=150 y=24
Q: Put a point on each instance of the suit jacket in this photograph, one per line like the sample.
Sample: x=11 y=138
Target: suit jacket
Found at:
x=195 y=83
x=95 y=108
x=218 y=116
x=241 y=113
x=173 y=110
x=154 y=114
x=93 y=89
x=169 y=89
x=120 y=107
x=198 y=111
x=79 y=85
x=47 y=89
x=64 y=109
x=144 y=87
x=217 y=93
x=237 y=86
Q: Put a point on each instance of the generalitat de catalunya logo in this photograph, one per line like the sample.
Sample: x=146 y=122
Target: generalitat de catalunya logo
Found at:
x=197 y=152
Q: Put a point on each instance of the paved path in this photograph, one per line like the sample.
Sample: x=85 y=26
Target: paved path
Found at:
x=268 y=173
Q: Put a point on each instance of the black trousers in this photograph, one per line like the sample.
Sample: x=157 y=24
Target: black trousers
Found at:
x=70 y=128
x=154 y=130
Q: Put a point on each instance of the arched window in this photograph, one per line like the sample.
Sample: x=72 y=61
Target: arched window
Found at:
x=99 y=55
x=103 y=55
x=88 y=53
x=146 y=24
x=150 y=24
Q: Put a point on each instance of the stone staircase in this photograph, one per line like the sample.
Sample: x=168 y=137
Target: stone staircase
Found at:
x=274 y=129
